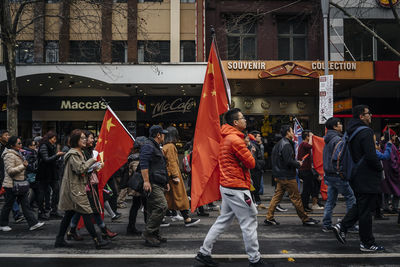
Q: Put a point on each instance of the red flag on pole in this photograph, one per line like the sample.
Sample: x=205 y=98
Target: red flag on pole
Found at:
x=213 y=103
x=317 y=149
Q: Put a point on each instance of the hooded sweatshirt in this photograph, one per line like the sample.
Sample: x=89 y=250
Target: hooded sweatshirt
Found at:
x=369 y=174
x=331 y=139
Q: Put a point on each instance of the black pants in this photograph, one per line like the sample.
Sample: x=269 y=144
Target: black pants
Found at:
x=256 y=178
x=10 y=198
x=66 y=220
x=137 y=202
x=113 y=200
x=316 y=187
x=44 y=192
x=361 y=212
x=308 y=186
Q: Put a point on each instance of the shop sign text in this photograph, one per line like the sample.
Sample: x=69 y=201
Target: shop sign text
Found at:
x=352 y=66
x=82 y=105
x=176 y=106
x=246 y=65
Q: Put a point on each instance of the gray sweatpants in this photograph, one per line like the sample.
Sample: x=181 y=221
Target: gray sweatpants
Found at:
x=234 y=205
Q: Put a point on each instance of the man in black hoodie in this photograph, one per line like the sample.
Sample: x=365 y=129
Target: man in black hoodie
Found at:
x=365 y=182
x=335 y=184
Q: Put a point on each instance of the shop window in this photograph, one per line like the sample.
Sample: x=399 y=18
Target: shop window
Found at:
x=386 y=30
x=119 y=51
x=52 y=52
x=154 y=51
x=85 y=51
x=188 y=1
x=292 y=39
x=24 y=52
x=188 y=51
x=120 y=1
x=241 y=37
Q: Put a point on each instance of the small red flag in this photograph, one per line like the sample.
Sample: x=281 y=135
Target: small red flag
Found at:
x=317 y=150
x=141 y=105
x=213 y=103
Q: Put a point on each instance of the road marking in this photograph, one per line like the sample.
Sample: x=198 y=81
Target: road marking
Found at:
x=191 y=256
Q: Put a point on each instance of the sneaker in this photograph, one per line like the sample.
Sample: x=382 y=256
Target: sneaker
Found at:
x=260 y=262
x=5 y=228
x=354 y=230
x=36 y=226
x=280 y=209
x=372 y=248
x=311 y=221
x=271 y=222
x=116 y=217
x=307 y=209
x=261 y=207
x=317 y=207
x=164 y=223
x=176 y=218
x=19 y=219
x=150 y=240
x=192 y=222
x=327 y=229
x=206 y=260
x=203 y=214
x=340 y=235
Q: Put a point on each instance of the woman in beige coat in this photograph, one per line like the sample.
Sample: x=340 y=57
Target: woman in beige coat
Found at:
x=73 y=197
x=14 y=166
x=176 y=197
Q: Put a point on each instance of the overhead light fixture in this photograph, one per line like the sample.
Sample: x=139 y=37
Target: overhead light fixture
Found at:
x=92 y=80
x=28 y=80
x=60 y=81
x=69 y=86
x=144 y=94
x=80 y=81
x=306 y=93
x=140 y=90
x=51 y=88
x=88 y=85
x=40 y=84
x=136 y=86
x=181 y=86
x=71 y=77
x=100 y=84
x=107 y=88
x=49 y=76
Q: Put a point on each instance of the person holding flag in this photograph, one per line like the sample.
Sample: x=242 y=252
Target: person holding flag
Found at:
x=235 y=160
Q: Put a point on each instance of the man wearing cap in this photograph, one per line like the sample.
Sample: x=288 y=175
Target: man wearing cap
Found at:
x=155 y=178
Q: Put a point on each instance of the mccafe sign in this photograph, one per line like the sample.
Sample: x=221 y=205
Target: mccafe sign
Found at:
x=177 y=106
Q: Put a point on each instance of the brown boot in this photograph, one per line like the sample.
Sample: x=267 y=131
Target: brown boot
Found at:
x=150 y=240
x=107 y=233
x=72 y=234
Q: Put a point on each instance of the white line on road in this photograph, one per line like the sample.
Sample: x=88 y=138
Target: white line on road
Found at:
x=191 y=256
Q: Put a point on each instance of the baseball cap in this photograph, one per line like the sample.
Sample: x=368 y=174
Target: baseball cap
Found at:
x=155 y=129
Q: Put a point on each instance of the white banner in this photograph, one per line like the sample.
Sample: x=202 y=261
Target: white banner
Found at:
x=325 y=98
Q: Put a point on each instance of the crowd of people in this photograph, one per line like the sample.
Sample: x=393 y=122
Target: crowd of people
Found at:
x=48 y=181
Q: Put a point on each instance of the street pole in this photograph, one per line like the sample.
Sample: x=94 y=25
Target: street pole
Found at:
x=325 y=13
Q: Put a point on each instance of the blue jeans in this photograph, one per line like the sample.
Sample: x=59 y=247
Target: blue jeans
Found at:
x=335 y=186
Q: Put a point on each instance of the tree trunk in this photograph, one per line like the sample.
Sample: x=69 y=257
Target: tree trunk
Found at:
x=12 y=89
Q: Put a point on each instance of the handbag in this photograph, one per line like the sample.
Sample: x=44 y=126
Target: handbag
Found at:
x=20 y=187
x=93 y=179
x=135 y=181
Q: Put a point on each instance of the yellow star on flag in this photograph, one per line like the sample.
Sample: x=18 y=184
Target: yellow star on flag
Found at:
x=99 y=140
x=106 y=142
x=214 y=93
x=204 y=95
x=110 y=124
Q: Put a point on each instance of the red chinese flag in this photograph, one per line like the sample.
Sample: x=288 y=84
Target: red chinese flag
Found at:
x=317 y=149
x=114 y=146
x=213 y=103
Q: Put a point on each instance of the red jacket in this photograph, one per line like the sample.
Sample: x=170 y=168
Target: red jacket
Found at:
x=233 y=150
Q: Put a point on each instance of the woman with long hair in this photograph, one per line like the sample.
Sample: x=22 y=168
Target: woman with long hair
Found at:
x=176 y=197
x=15 y=166
x=47 y=176
x=73 y=193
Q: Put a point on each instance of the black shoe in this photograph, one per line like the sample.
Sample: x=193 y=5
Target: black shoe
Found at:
x=133 y=231
x=203 y=214
x=19 y=219
x=61 y=243
x=381 y=217
x=372 y=248
x=192 y=222
x=150 y=240
x=327 y=229
x=206 y=260
x=280 y=209
x=101 y=243
x=307 y=209
x=311 y=221
x=43 y=216
x=340 y=235
x=271 y=222
x=116 y=217
x=260 y=262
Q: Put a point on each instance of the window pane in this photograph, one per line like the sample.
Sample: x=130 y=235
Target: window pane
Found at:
x=52 y=52
x=386 y=31
x=24 y=53
x=283 y=48
x=118 y=51
x=299 y=48
x=249 y=48
x=283 y=27
x=299 y=27
x=157 y=51
x=249 y=27
x=85 y=51
x=188 y=51
x=358 y=42
x=233 y=47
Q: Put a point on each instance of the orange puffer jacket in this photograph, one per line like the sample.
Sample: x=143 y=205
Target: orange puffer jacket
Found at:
x=233 y=150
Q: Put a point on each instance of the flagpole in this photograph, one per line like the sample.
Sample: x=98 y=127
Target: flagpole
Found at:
x=296 y=120
x=115 y=115
x=214 y=40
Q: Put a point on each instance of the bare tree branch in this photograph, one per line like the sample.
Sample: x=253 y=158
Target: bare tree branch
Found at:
x=35 y=19
x=19 y=13
x=394 y=11
x=397 y=53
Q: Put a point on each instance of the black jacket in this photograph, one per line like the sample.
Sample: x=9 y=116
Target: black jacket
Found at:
x=2 y=173
x=283 y=160
x=32 y=159
x=47 y=168
x=259 y=157
x=331 y=139
x=368 y=177
x=152 y=158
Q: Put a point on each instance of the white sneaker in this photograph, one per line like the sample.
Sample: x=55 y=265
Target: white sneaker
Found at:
x=317 y=207
x=176 y=218
x=36 y=226
x=5 y=228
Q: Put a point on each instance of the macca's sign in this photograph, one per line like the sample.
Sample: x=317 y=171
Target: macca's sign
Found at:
x=82 y=105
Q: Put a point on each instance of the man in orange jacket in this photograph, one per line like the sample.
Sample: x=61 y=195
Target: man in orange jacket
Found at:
x=235 y=160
